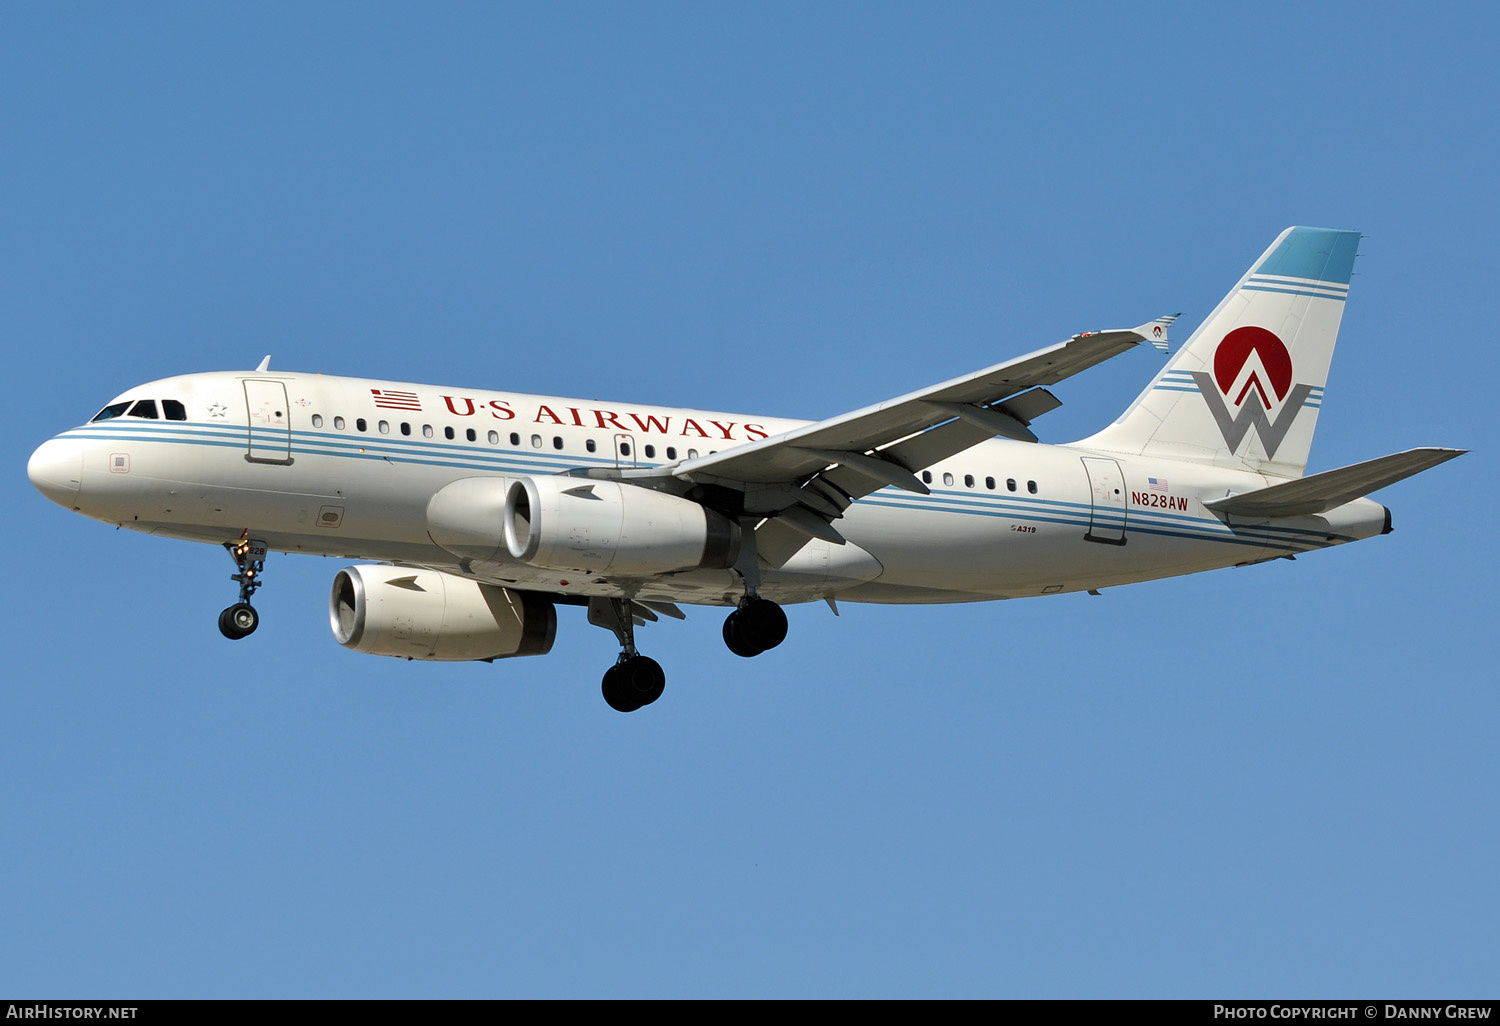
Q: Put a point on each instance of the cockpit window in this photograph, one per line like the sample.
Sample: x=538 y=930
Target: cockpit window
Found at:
x=173 y=410
x=111 y=412
x=143 y=408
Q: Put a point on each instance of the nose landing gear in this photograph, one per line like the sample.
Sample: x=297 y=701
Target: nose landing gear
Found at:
x=241 y=619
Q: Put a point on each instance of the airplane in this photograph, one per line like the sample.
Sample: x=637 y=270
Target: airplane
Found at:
x=484 y=511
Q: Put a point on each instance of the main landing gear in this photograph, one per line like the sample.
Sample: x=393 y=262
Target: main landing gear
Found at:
x=757 y=626
x=241 y=619
x=635 y=680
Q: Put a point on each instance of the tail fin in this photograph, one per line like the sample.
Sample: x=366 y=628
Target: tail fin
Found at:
x=1243 y=392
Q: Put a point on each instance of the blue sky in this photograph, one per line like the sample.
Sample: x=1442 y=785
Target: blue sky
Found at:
x=1274 y=781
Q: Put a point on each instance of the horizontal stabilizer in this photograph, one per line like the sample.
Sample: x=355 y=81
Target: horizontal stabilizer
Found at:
x=1322 y=492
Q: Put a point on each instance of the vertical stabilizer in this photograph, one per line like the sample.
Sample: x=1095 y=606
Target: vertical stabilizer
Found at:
x=1244 y=391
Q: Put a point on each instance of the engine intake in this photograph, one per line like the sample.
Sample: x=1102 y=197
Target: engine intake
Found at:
x=425 y=614
x=569 y=523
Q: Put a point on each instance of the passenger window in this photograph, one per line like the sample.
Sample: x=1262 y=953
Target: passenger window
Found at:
x=692 y=454
x=145 y=408
x=591 y=445
x=470 y=435
x=515 y=438
x=494 y=437
x=360 y=424
x=671 y=452
x=1010 y=483
x=1031 y=487
x=338 y=423
x=989 y=483
x=405 y=428
x=948 y=479
x=173 y=410
x=624 y=448
x=111 y=412
x=448 y=433
x=927 y=477
x=650 y=452
x=536 y=441
x=968 y=480
x=427 y=431
x=385 y=427
x=317 y=419
x=557 y=441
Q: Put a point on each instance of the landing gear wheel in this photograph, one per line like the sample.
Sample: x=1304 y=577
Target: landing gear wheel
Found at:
x=238 y=621
x=241 y=619
x=755 y=627
x=734 y=641
x=647 y=679
x=616 y=692
x=633 y=682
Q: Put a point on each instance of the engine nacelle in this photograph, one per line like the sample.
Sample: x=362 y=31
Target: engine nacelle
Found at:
x=424 y=614
x=467 y=518
x=587 y=526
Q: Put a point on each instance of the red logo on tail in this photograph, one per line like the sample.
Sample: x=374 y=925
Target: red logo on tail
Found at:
x=1235 y=351
x=1272 y=362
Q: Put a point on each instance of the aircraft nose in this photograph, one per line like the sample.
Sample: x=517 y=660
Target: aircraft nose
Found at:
x=56 y=469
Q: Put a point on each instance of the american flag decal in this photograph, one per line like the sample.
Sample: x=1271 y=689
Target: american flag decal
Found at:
x=1156 y=484
x=389 y=399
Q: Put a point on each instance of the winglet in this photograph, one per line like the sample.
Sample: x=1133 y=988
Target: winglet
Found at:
x=1155 y=331
x=265 y=365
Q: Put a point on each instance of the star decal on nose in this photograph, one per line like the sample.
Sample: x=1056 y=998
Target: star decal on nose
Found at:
x=217 y=411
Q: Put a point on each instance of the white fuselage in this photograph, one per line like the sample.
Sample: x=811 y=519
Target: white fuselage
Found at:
x=347 y=467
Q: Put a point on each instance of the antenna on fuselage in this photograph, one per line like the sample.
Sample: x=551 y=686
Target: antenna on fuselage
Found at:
x=265 y=364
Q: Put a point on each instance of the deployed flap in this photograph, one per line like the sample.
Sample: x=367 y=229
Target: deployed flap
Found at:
x=663 y=607
x=1028 y=406
x=777 y=542
x=1332 y=488
x=804 y=451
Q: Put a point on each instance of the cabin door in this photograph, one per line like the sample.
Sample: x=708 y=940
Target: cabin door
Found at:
x=1107 y=493
x=270 y=438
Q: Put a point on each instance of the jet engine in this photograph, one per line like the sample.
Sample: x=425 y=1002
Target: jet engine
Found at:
x=467 y=518
x=588 y=526
x=424 y=614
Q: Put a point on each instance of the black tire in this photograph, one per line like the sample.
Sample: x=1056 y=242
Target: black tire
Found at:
x=647 y=679
x=734 y=638
x=762 y=623
x=238 y=621
x=617 y=690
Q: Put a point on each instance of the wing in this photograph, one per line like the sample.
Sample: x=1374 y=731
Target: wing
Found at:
x=804 y=479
